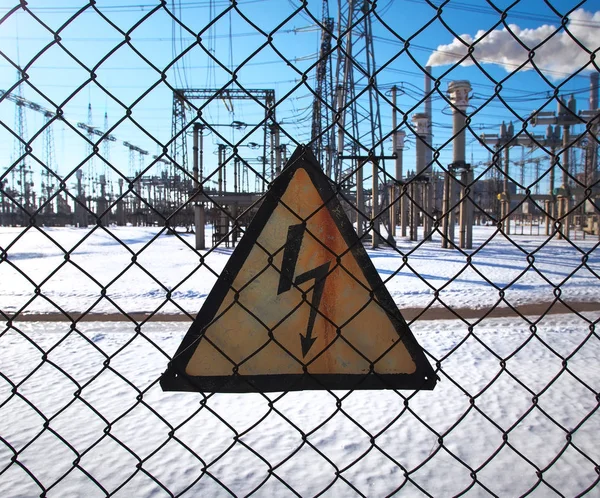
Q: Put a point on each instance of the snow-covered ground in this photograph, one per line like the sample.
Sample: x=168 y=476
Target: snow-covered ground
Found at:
x=168 y=266
x=109 y=420
x=81 y=412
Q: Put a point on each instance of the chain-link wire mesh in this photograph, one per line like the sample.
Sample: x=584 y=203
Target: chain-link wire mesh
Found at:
x=112 y=235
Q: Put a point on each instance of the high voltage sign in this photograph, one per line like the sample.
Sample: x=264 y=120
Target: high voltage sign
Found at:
x=299 y=305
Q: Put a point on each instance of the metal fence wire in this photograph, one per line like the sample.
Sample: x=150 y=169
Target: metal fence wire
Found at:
x=113 y=232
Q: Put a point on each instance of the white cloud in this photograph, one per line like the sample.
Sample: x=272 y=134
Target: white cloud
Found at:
x=557 y=56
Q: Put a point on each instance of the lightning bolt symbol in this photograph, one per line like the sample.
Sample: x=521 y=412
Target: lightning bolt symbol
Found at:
x=286 y=279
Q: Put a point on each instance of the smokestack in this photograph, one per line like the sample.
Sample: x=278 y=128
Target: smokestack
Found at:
x=420 y=124
x=428 y=134
x=572 y=104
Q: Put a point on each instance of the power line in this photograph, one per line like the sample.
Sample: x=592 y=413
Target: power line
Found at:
x=135 y=7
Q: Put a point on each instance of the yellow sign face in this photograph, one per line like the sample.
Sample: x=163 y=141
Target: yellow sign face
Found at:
x=300 y=306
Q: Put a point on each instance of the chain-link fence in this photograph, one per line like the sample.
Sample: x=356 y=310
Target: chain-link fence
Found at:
x=459 y=142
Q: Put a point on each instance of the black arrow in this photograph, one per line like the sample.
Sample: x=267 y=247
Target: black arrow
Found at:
x=290 y=257
x=288 y=268
x=319 y=274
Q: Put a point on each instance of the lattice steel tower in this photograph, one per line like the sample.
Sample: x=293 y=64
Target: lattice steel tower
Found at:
x=322 y=129
x=356 y=95
x=21 y=166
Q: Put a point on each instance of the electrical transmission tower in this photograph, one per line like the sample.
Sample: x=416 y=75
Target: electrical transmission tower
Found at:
x=106 y=148
x=105 y=138
x=140 y=153
x=91 y=130
x=346 y=127
x=178 y=132
x=322 y=131
x=47 y=174
x=357 y=96
x=91 y=163
x=23 y=170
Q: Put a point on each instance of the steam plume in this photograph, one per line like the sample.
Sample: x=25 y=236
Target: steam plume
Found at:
x=557 y=56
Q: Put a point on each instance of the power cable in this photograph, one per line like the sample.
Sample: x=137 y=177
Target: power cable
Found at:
x=135 y=7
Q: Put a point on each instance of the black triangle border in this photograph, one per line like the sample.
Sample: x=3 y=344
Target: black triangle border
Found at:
x=175 y=378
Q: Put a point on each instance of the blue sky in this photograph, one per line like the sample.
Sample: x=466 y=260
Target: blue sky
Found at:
x=231 y=40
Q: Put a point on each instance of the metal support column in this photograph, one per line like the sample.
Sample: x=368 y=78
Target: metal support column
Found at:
x=375 y=225
x=360 y=199
x=198 y=206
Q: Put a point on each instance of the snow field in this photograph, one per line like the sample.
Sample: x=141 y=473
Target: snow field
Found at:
x=81 y=412
x=168 y=274
x=108 y=423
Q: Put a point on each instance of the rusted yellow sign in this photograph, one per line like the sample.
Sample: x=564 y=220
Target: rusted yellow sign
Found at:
x=299 y=305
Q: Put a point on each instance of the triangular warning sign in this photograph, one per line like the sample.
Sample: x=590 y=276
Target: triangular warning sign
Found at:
x=299 y=305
